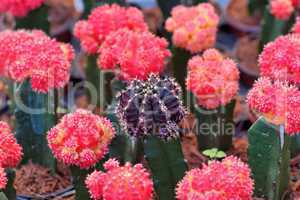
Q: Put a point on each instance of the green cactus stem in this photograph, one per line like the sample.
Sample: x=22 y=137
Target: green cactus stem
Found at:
x=271 y=27
x=36 y=19
x=78 y=179
x=257 y=5
x=88 y=6
x=179 y=62
x=31 y=128
x=9 y=190
x=167 y=164
x=2 y=196
x=269 y=158
x=215 y=128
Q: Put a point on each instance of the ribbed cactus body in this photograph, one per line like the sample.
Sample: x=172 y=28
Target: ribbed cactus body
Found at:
x=269 y=161
x=151 y=107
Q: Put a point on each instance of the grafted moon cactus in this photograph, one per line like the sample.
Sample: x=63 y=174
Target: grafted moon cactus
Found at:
x=120 y=182
x=151 y=107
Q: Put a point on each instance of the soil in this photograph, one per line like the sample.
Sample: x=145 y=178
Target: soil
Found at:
x=238 y=10
x=36 y=181
x=247 y=54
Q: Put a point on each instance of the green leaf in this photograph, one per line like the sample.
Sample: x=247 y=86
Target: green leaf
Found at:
x=210 y=152
x=167 y=165
x=214 y=153
x=220 y=154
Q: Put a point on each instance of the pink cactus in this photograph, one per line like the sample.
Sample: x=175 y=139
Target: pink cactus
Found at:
x=229 y=179
x=194 y=28
x=81 y=138
x=212 y=79
x=120 y=182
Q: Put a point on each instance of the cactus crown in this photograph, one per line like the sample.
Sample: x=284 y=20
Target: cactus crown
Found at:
x=151 y=107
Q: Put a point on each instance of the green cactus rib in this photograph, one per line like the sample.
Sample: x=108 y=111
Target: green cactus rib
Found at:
x=31 y=129
x=166 y=161
x=215 y=128
x=269 y=163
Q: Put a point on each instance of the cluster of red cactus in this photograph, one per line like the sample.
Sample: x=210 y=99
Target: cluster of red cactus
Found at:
x=194 y=28
x=10 y=152
x=120 y=182
x=103 y=21
x=81 y=138
x=121 y=37
x=213 y=79
x=228 y=179
x=274 y=96
x=33 y=55
x=136 y=54
x=19 y=8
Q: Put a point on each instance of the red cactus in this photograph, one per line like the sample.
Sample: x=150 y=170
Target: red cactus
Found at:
x=278 y=102
x=194 y=28
x=212 y=79
x=104 y=20
x=282 y=9
x=10 y=150
x=19 y=8
x=137 y=54
x=33 y=55
x=120 y=183
x=81 y=138
x=280 y=59
x=226 y=180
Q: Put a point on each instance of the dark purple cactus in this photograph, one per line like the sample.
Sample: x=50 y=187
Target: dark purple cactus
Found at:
x=151 y=107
